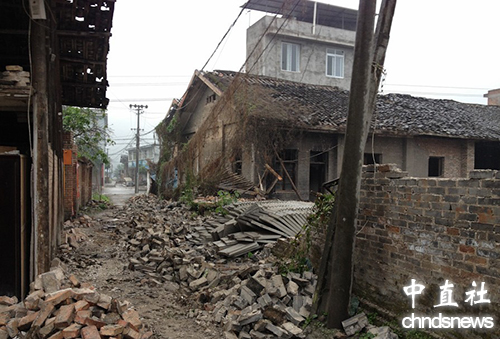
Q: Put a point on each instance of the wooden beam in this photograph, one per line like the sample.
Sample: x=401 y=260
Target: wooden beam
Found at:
x=288 y=175
x=14 y=31
x=76 y=84
x=82 y=61
x=208 y=83
x=273 y=172
x=41 y=228
x=84 y=34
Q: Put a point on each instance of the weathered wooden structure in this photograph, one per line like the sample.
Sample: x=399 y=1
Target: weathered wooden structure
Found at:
x=53 y=53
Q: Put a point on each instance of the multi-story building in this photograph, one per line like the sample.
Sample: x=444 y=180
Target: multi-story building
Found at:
x=310 y=42
x=147 y=153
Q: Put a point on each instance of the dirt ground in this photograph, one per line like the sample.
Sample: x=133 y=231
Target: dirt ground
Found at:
x=101 y=260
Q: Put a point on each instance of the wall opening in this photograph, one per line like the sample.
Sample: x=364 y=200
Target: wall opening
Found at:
x=317 y=172
x=487 y=155
x=436 y=166
x=368 y=158
x=290 y=159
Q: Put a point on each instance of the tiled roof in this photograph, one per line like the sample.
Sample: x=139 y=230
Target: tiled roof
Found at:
x=324 y=107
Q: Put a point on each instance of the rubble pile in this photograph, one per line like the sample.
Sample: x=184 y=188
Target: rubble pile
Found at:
x=260 y=303
x=166 y=244
x=59 y=307
x=14 y=76
x=251 y=225
x=166 y=251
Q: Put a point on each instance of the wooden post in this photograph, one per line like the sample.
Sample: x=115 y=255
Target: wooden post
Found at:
x=41 y=208
x=288 y=175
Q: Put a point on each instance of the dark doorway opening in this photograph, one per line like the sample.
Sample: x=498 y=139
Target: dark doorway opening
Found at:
x=317 y=172
x=372 y=158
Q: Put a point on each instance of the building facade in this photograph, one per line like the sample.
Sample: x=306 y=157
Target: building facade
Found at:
x=312 y=43
x=298 y=130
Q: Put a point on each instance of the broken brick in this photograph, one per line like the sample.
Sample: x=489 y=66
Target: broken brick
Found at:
x=58 y=297
x=90 y=332
x=132 y=316
x=111 y=330
x=65 y=316
x=26 y=321
x=72 y=331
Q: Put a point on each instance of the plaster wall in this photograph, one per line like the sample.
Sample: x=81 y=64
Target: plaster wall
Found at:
x=195 y=118
x=412 y=154
x=313 y=49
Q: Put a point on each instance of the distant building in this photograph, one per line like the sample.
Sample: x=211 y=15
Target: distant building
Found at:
x=493 y=97
x=311 y=42
x=147 y=153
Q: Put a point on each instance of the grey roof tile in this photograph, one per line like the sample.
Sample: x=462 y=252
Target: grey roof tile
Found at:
x=325 y=107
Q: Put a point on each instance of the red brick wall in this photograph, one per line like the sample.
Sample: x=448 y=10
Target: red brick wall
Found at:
x=77 y=180
x=431 y=230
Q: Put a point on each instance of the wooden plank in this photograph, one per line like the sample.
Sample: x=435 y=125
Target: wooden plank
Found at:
x=273 y=172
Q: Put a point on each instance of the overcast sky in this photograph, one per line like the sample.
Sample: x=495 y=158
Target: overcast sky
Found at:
x=446 y=49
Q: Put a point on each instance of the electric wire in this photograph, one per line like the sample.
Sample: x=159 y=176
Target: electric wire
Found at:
x=227 y=32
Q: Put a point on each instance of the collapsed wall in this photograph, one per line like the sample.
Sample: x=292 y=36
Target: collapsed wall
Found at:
x=432 y=230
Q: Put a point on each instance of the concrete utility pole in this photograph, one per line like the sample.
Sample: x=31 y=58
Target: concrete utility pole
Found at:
x=335 y=276
x=140 y=110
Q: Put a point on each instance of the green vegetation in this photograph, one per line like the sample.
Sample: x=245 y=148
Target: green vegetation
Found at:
x=89 y=132
x=225 y=198
x=102 y=201
x=306 y=249
x=100 y=197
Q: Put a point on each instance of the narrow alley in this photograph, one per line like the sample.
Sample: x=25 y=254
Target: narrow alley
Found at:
x=142 y=272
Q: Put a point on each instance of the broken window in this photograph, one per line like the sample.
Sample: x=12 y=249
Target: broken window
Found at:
x=289 y=157
x=436 y=166
x=372 y=158
x=487 y=155
x=334 y=63
x=290 y=57
x=211 y=98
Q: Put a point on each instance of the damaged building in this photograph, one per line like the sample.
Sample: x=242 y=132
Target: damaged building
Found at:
x=278 y=129
x=285 y=138
x=53 y=53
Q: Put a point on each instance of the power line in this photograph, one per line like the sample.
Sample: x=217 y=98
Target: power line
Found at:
x=435 y=86
x=149 y=76
x=227 y=32
x=440 y=94
x=144 y=99
x=140 y=84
